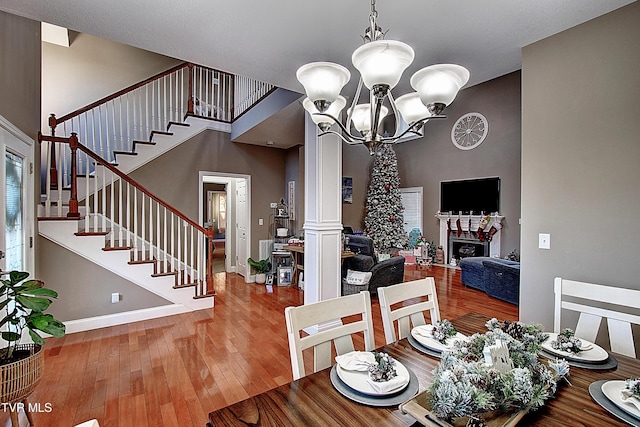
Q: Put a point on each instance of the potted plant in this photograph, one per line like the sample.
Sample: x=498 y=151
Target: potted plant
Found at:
x=23 y=307
x=262 y=267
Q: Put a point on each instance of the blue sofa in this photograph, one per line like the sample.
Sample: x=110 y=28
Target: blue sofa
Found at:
x=499 y=278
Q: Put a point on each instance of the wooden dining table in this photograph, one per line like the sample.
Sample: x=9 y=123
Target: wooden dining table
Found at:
x=297 y=253
x=313 y=401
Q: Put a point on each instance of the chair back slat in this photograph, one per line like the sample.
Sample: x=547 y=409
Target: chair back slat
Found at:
x=411 y=315
x=327 y=315
x=590 y=319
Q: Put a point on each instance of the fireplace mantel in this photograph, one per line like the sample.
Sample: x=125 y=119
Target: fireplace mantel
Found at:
x=494 y=245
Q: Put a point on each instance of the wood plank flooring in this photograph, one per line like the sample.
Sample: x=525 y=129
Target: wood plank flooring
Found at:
x=173 y=371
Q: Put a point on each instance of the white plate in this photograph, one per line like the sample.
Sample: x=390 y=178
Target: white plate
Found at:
x=593 y=355
x=611 y=389
x=432 y=343
x=359 y=380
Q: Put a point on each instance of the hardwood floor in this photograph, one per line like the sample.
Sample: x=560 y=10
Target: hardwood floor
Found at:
x=173 y=371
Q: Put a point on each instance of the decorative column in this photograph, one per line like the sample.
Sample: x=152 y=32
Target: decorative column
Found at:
x=323 y=215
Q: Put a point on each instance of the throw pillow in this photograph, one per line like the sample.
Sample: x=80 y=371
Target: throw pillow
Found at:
x=360 y=278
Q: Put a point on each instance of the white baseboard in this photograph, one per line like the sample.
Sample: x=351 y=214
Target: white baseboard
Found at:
x=97 y=322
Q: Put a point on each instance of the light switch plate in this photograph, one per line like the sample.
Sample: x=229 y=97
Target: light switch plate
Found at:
x=115 y=297
x=544 y=241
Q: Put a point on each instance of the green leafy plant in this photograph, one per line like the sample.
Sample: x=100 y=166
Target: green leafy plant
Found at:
x=23 y=304
x=262 y=266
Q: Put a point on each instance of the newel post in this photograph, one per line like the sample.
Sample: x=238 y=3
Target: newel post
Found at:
x=190 y=102
x=53 y=169
x=210 y=287
x=73 y=201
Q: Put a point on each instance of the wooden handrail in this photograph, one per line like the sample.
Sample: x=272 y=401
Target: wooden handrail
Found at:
x=121 y=92
x=123 y=176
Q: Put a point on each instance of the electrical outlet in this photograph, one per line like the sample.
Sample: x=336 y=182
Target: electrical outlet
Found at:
x=260 y=221
x=544 y=241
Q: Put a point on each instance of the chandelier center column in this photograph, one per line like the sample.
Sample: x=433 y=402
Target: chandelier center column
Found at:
x=323 y=215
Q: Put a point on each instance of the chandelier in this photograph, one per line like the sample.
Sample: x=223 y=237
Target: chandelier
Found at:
x=381 y=64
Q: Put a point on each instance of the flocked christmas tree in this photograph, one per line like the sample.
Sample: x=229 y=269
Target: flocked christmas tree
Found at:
x=384 y=217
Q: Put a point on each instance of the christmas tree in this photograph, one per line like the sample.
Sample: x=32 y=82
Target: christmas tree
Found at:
x=384 y=219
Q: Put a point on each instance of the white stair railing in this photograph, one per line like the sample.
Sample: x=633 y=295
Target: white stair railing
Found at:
x=132 y=218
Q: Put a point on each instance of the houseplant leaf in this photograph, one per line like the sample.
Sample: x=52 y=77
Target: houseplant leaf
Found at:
x=37 y=339
x=42 y=292
x=33 y=303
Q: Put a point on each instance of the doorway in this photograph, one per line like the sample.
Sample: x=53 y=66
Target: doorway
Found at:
x=16 y=217
x=224 y=205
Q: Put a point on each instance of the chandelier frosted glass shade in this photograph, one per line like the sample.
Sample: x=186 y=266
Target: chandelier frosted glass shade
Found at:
x=439 y=84
x=334 y=110
x=411 y=108
x=323 y=81
x=361 y=117
x=382 y=62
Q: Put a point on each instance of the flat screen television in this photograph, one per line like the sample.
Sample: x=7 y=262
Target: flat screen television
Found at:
x=470 y=196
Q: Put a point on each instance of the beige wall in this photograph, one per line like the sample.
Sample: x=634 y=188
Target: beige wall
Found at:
x=581 y=159
x=427 y=161
x=90 y=69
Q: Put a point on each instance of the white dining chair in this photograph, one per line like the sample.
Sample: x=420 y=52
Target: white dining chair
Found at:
x=328 y=315
x=589 y=300
x=411 y=313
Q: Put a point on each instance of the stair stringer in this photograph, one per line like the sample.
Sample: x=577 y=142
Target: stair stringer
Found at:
x=90 y=248
x=164 y=143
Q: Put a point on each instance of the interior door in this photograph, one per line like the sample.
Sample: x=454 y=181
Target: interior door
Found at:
x=16 y=214
x=241 y=225
x=412 y=202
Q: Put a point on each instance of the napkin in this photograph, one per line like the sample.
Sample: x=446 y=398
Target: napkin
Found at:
x=386 y=386
x=424 y=331
x=628 y=397
x=356 y=361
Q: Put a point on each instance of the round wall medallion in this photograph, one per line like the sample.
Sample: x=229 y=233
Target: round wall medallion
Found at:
x=469 y=131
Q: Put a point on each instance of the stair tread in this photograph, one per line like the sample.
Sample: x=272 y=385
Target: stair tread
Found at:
x=142 y=261
x=59 y=218
x=117 y=248
x=144 y=143
x=128 y=153
x=171 y=123
x=161 y=132
x=92 y=233
x=170 y=273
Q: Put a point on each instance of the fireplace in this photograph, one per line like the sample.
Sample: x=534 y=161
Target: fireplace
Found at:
x=468 y=241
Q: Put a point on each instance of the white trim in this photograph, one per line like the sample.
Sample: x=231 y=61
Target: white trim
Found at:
x=115 y=319
x=97 y=322
x=228 y=179
x=420 y=191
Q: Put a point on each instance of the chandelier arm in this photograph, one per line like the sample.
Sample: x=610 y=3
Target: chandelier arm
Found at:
x=354 y=102
x=348 y=140
x=394 y=139
x=341 y=126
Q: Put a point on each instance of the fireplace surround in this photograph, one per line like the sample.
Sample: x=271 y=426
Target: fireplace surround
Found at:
x=452 y=243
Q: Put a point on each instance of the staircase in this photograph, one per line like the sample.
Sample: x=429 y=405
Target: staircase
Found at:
x=92 y=207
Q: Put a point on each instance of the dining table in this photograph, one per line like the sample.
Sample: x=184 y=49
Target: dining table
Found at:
x=313 y=400
x=297 y=254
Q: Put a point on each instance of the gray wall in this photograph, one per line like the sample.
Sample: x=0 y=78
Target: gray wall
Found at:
x=20 y=72
x=581 y=158
x=427 y=161
x=174 y=176
x=84 y=290
x=90 y=69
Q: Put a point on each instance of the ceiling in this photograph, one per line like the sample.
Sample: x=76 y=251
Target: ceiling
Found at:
x=269 y=40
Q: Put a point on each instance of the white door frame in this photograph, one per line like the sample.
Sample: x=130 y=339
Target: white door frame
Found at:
x=19 y=143
x=227 y=179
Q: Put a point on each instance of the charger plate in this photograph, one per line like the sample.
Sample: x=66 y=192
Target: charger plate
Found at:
x=595 y=390
x=359 y=381
x=609 y=364
x=432 y=343
x=611 y=390
x=415 y=344
x=388 y=400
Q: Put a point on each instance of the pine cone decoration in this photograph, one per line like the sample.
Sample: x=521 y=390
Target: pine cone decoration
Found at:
x=515 y=329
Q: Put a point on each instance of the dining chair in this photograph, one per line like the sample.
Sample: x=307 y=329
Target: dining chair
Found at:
x=411 y=315
x=328 y=315
x=569 y=295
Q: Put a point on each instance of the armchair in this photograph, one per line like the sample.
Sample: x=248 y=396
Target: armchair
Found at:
x=383 y=273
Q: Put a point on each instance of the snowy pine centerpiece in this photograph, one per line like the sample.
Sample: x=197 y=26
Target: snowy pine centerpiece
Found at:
x=513 y=380
x=568 y=342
